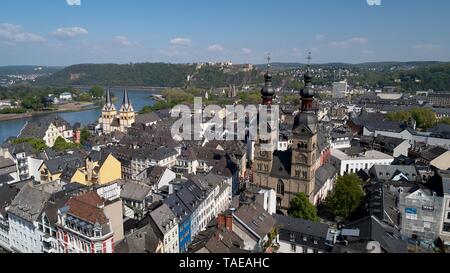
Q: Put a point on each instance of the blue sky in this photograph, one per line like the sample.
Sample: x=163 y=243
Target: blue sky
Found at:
x=52 y=32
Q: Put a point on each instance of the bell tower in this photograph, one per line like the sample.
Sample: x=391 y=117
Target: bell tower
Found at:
x=265 y=146
x=109 y=113
x=126 y=113
x=304 y=137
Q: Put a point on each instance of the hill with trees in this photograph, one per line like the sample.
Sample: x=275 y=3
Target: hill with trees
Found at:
x=149 y=75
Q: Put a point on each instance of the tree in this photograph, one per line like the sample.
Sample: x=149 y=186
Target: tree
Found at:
x=85 y=135
x=303 y=209
x=424 y=117
x=96 y=92
x=445 y=120
x=37 y=144
x=346 y=197
x=61 y=145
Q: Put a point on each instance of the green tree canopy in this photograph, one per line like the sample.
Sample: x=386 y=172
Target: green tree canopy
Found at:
x=37 y=144
x=96 y=92
x=85 y=135
x=61 y=145
x=424 y=117
x=346 y=197
x=303 y=209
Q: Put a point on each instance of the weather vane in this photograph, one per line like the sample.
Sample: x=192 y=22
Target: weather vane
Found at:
x=268 y=60
x=309 y=58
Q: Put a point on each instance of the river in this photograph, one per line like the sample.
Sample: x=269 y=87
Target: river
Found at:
x=139 y=99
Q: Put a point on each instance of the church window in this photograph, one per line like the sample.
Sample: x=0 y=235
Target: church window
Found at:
x=280 y=187
x=305 y=175
x=297 y=173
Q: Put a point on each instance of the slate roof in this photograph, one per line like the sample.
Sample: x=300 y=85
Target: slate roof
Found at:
x=59 y=164
x=281 y=165
x=324 y=173
x=15 y=149
x=143 y=240
x=255 y=218
x=7 y=195
x=178 y=208
x=217 y=240
x=38 y=128
x=372 y=229
x=6 y=178
x=301 y=232
x=161 y=218
x=147 y=118
x=301 y=226
x=154 y=173
x=153 y=152
x=135 y=191
x=6 y=163
x=51 y=208
x=29 y=203
x=388 y=172
x=433 y=152
x=440 y=131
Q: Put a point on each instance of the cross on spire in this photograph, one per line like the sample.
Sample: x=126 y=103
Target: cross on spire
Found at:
x=268 y=60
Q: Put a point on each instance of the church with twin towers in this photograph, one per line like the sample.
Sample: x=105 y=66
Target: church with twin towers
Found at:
x=113 y=121
x=294 y=170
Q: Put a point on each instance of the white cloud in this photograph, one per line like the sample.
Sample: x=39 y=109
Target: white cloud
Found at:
x=368 y=52
x=426 y=47
x=320 y=37
x=124 y=41
x=216 y=48
x=247 y=50
x=67 y=33
x=73 y=2
x=350 y=42
x=11 y=34
x=359 y=40
x=181 y=42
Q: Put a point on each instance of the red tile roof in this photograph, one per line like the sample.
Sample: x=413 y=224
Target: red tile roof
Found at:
x=87 y=207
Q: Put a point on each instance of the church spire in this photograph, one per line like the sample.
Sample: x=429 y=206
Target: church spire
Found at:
x=108 y=97
x=267 y=91
x=126 y=100
x=307 y=115
x=126 y=104
x=109 y=106
x=307 y=93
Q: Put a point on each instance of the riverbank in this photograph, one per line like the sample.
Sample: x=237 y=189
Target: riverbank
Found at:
x=65 y=108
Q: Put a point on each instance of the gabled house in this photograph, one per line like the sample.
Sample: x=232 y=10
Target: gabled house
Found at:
x=253 y=225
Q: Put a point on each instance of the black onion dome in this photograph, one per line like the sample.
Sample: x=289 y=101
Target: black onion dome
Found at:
x=267 y=90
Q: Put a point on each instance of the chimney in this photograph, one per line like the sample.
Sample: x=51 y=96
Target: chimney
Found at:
x=225 y=220
x=89 y=168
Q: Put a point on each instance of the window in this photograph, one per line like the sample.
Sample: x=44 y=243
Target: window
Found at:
x=448 y=216
x=280 y=187
x=446 y=227
x=293 y=247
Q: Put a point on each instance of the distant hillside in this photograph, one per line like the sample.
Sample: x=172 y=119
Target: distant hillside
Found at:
x=147 y=74
x=369 y=65
x=27 y=69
